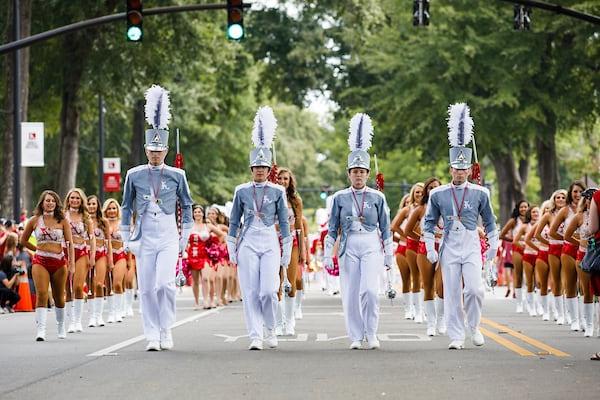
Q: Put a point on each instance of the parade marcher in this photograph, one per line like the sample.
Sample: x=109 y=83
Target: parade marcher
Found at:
x=552 y=256
x=103 y=260
x=524 y=238
x=116 y=298
x=577 y=233
x=151 y=191
x=568 y=253
x=460 y=203
x=431 y=275
x=49 y=269
x=82 y=232
x=286 y=179
x=365 y=245
x=201 y=235
x=507 y=234
x=406 y=254
x=300 y=273
x=255 y=246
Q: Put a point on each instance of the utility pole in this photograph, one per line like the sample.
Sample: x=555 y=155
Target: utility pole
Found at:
x=16 y=115
x=100 y=150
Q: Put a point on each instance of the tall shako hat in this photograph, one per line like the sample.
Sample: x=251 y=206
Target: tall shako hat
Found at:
x=359 y=141
x=263 y=134
x=460 y=134
x=158 y=116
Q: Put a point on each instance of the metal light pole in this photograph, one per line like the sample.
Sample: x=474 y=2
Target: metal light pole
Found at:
x=16 y=115
x=100 y=150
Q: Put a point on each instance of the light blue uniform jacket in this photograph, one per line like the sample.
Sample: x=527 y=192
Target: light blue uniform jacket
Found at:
x=138 y=191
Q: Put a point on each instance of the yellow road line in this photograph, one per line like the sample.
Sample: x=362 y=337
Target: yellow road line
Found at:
x=506 y=343
x=526 y=339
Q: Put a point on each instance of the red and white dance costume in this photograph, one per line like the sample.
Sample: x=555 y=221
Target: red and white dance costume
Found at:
x=568 y=256
x=519 y=248
x=434 y=308
x=79 y=232
x=53 y=263
x=554 y=252
x=198 y=259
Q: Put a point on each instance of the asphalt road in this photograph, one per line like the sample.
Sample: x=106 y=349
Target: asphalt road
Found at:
x=523 y=358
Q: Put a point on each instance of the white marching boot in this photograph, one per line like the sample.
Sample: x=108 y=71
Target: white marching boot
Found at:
x=298 y=309
x=70 y=316
x=519 y=299
x=588 y=312
x=560 y=309
x=431 y=317
x=92 y=312
x=41 y=316
x=77 y=314
x=110 y=303
x=290 y=321
x=118 y=307
x=279 y=319
x=530 y=305
x=129 y=302
x=546 y=310
x=99 y=311
x=418 y=301
x=441 y=321
x=573 y=307
x=60 y=323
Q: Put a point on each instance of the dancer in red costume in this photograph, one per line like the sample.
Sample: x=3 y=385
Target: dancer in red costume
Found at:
x=515 y=250
x=116 y=302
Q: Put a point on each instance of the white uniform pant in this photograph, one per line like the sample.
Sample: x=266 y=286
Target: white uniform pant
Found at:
x=156 y=272
x=359 y=278
x=462 y=263
x=259 y=257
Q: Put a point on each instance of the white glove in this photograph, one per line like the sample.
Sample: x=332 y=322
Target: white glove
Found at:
x=286 y=251
x=388 y=261
x=125 y=235
x=493 y=242
x=388 y=251
x=232 y=249
x=432 y=256
x=183 y=241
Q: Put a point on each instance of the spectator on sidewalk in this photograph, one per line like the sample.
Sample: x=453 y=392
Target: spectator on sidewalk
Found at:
x=9 y=281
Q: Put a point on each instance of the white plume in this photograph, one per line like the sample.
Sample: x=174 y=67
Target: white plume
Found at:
x=157 y=107
x=265 y=125
x=361 y=132
x=460 y=125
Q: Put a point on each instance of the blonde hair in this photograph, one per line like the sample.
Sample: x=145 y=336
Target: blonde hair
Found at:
x=82 y=207
x=545 y=207
x=553 y=197
x=404 y=201
x=411 y=195
x=107 y=203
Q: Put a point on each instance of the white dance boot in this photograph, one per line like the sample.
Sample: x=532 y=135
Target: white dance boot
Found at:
x=407 y=300
x=538 y=303
x=588 y=312
x=41 y=316
x=92 y=312
x=298 y=309
x=560 y=309
x=290 y=321
x=441 y=321
x=530 y=305
x=70 y=316
x=573 y=307
x=279 y=319
x=110 y=303
x=118 y=307
x=418 y=301
x=519 y=299
x=99 y=311
x=60 y=323
x=545 y=308
x=77 y=314
x=431 y=317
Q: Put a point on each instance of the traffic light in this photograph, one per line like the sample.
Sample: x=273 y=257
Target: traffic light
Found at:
x=522 y=17
x=134 y=21
x=323 y=195
x=421 y=12
x=235 y=19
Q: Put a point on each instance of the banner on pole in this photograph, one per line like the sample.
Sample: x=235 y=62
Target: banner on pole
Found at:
x=112 y=174
x=32 y=144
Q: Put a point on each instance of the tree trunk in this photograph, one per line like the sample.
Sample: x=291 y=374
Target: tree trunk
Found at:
x=7 y=188
x=137 y=136
x=76 y=52
x=545 y=146
x=510 y=188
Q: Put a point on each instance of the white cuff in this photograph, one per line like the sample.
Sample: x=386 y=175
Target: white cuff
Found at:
x=286 y=250
x=429 y=239
x=329 y=243
x=232 y=249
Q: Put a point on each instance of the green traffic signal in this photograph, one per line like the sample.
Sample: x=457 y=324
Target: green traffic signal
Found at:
x=235 y=32
x=134 y=34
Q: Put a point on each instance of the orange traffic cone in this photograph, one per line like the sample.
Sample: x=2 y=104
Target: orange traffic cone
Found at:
x=25 y=303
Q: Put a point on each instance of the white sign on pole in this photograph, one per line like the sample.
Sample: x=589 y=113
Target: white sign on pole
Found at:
x=32 y=144
x=112 y=165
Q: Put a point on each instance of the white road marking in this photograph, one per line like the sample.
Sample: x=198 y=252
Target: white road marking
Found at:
x=324 y=337
x=110 y=350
